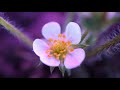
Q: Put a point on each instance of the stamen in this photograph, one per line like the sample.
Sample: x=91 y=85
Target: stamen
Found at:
x=64 y=36
x=61 y=51
x=59 y=35
x=55 y=54
x=71 y=49
x=64 y=50
x=57 y=57
x=49 y=55
x=63 y=56
x=59 y=48
x=63 y=42
x=55 y=41
x=50 y=39
x=47 y=51
x=68 y=43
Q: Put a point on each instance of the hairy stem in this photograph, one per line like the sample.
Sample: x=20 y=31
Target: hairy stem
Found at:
x=99 y=49
x=13 y=30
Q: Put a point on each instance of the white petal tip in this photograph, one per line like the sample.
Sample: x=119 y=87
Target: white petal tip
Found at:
x=73 y=32
x=51 y=30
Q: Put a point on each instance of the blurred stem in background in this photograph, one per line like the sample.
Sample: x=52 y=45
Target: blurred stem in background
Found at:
x=99 y=49
x=69 y=18
x=16 y=32
x=104 y=23
x=83 y=36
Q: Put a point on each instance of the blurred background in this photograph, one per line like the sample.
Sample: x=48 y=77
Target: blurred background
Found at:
x=19 y=61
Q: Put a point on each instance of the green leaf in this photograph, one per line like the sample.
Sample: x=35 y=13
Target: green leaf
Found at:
x=62 y=69
x=51 y=69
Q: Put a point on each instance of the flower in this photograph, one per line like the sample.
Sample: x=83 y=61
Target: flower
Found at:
x=58 y=48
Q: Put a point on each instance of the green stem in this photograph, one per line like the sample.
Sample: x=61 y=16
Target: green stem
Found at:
x=99 y=49
x=84 y=35
x=13 y=30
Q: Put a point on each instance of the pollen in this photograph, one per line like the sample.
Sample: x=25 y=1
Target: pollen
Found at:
x=55 y=54
x=68 y=43
x=49 y=55
x=55 y=41
x=60 y=35
x=63 y=56
x=59 y=48
x=50 y=39
x=71 y=50
x=47 y=51
x=64 y=36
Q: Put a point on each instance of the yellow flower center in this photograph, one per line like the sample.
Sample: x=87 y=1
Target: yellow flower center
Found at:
x=59 y=48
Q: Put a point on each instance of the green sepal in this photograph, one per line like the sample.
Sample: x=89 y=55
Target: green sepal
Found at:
x=52 y=69
x=68 y=72
x=83 y=45
x=62 y=69
x=39 y=65
x=80 y=46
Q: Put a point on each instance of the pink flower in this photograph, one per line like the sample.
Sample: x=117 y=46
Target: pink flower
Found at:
x=58 y=48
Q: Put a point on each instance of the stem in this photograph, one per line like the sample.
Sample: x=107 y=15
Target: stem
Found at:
x=69 y=18
x=13 y=30
x=99 y=49
x=84 y=35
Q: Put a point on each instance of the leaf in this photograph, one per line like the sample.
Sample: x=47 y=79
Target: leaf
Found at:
x=62 y=69
x=51 y=69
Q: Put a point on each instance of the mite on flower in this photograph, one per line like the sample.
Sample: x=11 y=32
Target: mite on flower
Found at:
x=58 y=47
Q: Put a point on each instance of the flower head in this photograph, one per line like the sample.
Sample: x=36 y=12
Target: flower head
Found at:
x=58 y=47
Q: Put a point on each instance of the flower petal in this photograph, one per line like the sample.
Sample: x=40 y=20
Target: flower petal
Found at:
x=51 y=30
x=49 y=61
x=39 y=46
x=74 y=59
x=73 y=32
